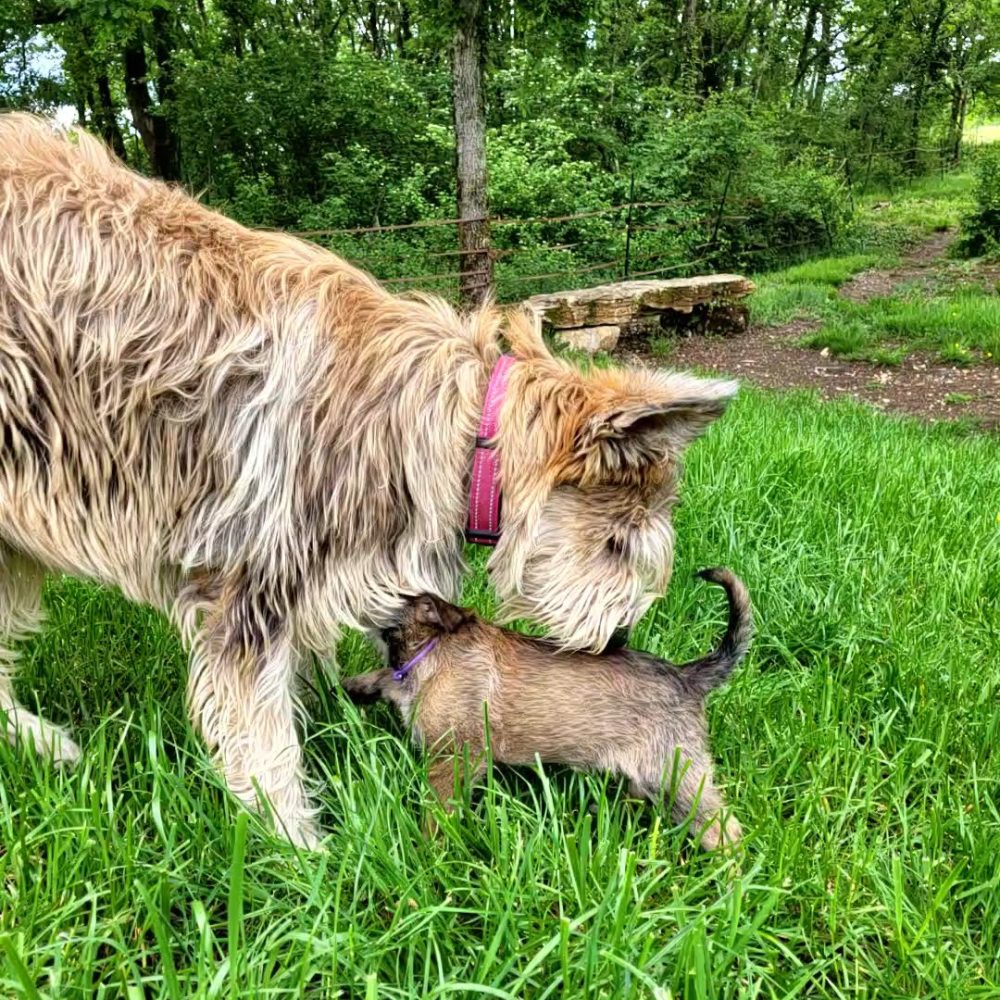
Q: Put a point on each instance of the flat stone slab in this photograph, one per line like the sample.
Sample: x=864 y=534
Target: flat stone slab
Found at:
x=618 y=303
x=590 y=338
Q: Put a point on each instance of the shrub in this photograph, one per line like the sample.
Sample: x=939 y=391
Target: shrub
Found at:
x=981 y=227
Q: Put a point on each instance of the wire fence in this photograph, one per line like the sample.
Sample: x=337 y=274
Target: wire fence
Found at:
x=641 y=238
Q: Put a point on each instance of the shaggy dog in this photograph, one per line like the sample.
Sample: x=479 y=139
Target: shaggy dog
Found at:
x=624 y=712
x=248 y=433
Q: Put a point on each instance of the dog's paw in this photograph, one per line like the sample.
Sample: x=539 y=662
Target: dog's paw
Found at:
x=304 y=834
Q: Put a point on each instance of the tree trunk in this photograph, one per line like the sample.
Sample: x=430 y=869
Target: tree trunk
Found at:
x=163 y=49
x=959 y=106
x=689 y=45
x=373 y=29
x=920 y=90
x=802 y=63
x=404 y=32
x=475 y=262
x=110 y=131
x=822 y=60
x=152 y=127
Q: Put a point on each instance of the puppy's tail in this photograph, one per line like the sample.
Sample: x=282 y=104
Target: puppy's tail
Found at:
x=710 y=671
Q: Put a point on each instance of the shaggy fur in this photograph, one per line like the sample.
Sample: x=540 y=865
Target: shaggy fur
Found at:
x=243 y=430
x=624 y=712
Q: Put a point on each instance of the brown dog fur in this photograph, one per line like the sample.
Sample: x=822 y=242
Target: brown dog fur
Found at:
x=624 y=712
x=248 y=433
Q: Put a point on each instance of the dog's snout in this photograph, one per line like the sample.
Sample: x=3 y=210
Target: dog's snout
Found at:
x=618 y=639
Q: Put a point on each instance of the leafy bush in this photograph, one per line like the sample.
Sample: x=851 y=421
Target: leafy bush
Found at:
x=743 y=197
x=286 y=132
x=981 y=227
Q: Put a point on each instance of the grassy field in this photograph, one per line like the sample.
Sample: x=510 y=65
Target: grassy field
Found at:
x=858 y=746
x=985 y=132
x=952 y=312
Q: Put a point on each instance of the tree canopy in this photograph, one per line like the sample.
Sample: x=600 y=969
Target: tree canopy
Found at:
x=320 y=114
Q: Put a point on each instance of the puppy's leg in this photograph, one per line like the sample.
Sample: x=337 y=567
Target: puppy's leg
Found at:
x=374 y=636
x=447 y=774
x=363 y=689
x=20 y=615
x=241 y=698
x=696 y=792
x=695 y=795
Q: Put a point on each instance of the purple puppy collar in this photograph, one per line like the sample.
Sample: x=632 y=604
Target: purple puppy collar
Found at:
x=400 y=674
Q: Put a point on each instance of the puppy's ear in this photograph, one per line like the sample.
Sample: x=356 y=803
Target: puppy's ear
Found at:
x=436 y=613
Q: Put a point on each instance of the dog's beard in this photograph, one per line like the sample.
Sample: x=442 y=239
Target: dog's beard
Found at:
x=564 y=576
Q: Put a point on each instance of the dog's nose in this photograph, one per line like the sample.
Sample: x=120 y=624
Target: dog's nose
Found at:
x=618 y=639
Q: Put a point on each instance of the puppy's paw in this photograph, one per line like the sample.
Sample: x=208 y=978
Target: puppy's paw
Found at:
x=363 y=689
x=723 y=833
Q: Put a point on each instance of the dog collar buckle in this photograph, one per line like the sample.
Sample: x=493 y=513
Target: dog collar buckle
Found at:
x=483 y=527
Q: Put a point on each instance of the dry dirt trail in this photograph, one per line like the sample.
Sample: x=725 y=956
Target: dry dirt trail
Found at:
x=921 y=386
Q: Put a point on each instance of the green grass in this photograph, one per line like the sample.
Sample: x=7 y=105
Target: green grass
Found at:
x=662 y=347
x=958 y=398
x=832 y=271
x=951 y=310
x=959 y=328
x=890 y=221
x=776 y=302
x=805 y=291
x=858 y=747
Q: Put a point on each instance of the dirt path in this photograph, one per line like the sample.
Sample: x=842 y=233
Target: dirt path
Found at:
x=918 y=265
x=920 y=386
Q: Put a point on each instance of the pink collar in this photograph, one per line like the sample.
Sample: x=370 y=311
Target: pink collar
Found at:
x=484 y=494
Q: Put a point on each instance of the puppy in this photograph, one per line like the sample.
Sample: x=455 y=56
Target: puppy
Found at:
x=624 y=711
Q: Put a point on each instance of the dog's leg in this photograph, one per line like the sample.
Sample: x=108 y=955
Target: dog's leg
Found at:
x=20 y=615
x=241 y=698
x=374 y=636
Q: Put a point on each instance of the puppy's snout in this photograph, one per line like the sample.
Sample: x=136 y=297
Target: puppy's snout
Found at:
x=618 y=639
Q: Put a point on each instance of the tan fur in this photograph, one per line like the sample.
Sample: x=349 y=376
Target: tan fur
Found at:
x=480 y=686
x=250 y=434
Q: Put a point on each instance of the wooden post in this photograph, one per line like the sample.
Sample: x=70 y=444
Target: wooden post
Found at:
x=475 y=261
x=628 y=227
x=722 y=207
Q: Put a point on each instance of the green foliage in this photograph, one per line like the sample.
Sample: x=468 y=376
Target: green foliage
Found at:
x=981 y=227
x=323 y=143
x=751 y=131
x=735 y=193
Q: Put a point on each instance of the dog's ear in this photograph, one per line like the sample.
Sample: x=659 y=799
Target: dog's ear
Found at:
x=438 y=614
x=524 y=334
x=644 y=427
